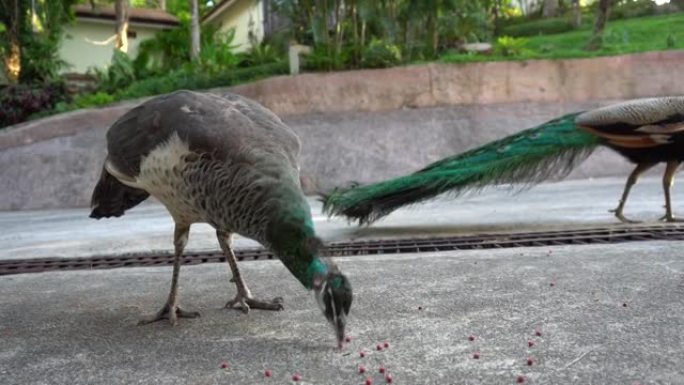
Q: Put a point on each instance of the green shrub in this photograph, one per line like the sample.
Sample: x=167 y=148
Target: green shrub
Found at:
x=510 y=46
x=169 y=50
x=18 y=102
x=184 y=78
x=548 y=26
x=325 y=58
x=118 y=75
x=379 y=54
x=93 y=100
x=630 y=9
x=260 y=54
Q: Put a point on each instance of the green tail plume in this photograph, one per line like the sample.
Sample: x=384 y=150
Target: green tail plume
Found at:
x=529 y=157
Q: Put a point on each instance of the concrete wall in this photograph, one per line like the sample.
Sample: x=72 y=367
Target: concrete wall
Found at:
x=243 y=16
x=419 y=86
x=80 y=51
x=374 y=130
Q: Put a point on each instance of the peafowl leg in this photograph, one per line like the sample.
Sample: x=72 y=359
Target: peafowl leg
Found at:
x=668 y=179
x=243 y=299
x=631 y=181
x=171 y=310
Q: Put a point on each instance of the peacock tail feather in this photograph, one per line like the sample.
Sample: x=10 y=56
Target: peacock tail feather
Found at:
x=526 y=158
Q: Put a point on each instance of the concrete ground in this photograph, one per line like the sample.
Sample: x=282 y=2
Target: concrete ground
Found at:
x=606 y=314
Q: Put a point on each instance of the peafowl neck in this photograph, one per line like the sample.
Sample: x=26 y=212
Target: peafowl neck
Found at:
x=291 y=236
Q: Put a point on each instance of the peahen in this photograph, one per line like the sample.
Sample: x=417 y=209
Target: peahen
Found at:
x=230 y=162
x=645 y=131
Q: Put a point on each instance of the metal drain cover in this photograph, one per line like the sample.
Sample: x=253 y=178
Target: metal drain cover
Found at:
x=616 y=234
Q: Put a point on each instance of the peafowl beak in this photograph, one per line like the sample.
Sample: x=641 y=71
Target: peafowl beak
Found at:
x=334 y=297
x=339 y=324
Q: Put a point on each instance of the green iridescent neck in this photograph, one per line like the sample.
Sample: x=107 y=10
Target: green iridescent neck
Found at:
x=292 y=237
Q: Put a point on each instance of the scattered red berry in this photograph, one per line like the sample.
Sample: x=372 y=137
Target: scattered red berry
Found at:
x=268 y=373
x=379 y=347
x=552 y=284
x=538 y=333
x=386 y=345
x=362 y=369
x=520 y=379
x=296 y=377
x=624 y=305
x=476 y=356
x=471 y=338
x=382 y=369
x=530 y=361
x=224 y=365
x=388 y=378
x=362 y=354
x=369 y=381
x=530 y=343
x=420 y=308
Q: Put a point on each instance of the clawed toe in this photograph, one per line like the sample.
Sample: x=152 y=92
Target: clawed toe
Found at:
x=172 y=316
x=244 y=303
x=622 y=218
x=670 y=219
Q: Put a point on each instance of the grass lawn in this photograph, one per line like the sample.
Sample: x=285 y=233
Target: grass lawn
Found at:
x=620 y=37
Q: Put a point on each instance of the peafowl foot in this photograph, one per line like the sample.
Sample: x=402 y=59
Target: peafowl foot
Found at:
x=172 y=316
x=670 y=218
x=621 y=217
x=245 y=302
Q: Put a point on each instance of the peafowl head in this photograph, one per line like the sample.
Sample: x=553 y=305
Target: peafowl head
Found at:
x=334 y=296
x=294 y=240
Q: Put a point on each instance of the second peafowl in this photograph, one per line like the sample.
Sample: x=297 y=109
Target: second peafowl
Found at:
x=645 y=131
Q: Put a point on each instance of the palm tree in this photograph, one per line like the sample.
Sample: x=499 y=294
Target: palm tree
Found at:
x=121 y=25
x=194 y=30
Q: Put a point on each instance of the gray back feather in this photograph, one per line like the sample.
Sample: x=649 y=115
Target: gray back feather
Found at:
x=634 y=112
x=227 y=128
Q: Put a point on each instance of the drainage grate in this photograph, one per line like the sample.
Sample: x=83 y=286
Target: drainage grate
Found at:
x=385 y=246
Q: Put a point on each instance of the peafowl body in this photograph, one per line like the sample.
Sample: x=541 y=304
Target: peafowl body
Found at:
x=645 y=131
x=227 y=161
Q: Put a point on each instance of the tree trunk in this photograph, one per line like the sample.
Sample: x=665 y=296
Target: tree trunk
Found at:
x=162 y=5
x=597 y=37
x=576 y=14
x=121 y=10
x=13 y=58
x=194 y=30
x=550 y=8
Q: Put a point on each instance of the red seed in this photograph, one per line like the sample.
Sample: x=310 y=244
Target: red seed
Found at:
x=530 y=362
x=369 y=381
x=362 y=354
x=347 y=339
x=386 y=345
x=476 y=356
x=268 y=373
x=471 y=338
x=296 y=377
x=224 y=365
x=382 y=369
x=379 y=347
x=520 y=379
x=362 y=369
x=530 y=343
x=388 y=378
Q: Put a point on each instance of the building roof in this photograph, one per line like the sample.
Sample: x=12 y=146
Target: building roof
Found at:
x=135 y=15
x=217 y=9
